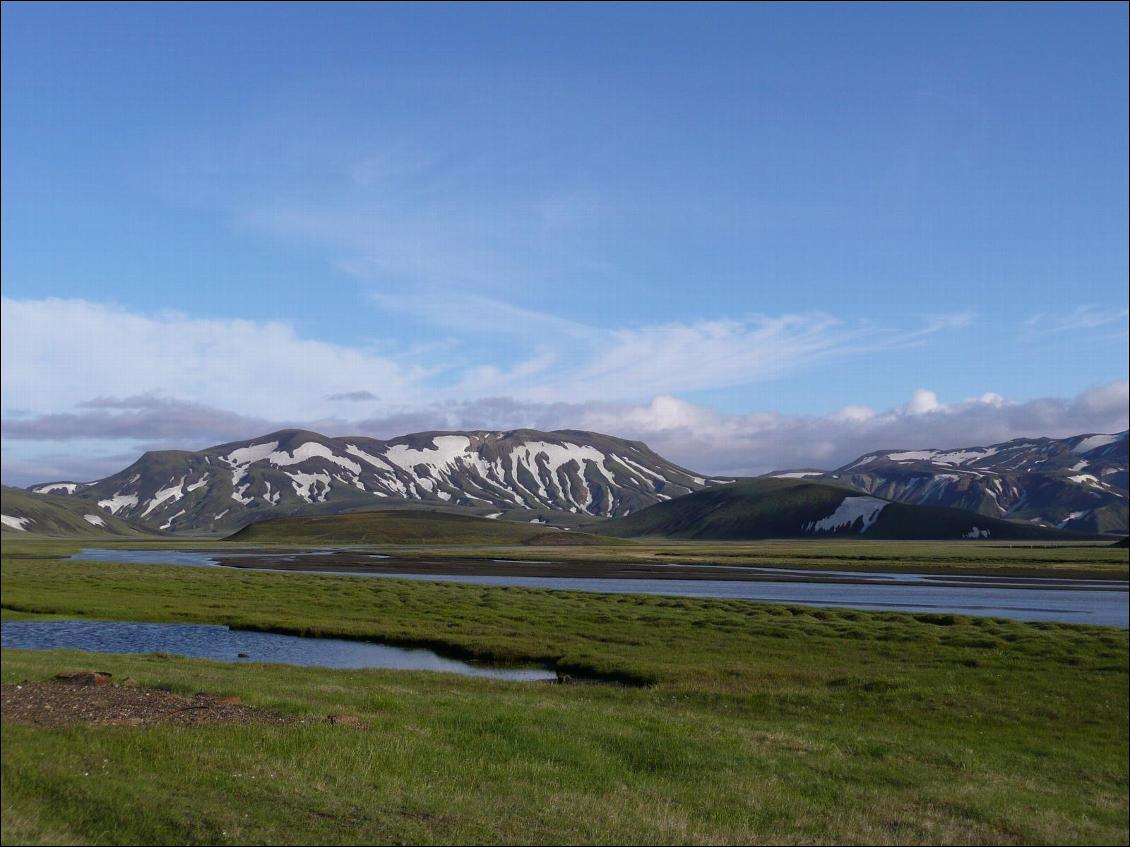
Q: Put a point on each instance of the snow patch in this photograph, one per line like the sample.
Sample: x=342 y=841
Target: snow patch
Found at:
x=57 y=488
x=1074 y=516
x=200 y=483
x=310 y=450
x=173 y=492
x=94 y=520
x=118 y=502
x=445 y=450
x=375 y=461
x=1094 y=442
x=15 y=522
x=254 y=453
x=1086 y=479
x=169 y=522
x=976 y=533
x=304 y=485
x=848 y=512
x=911 y=456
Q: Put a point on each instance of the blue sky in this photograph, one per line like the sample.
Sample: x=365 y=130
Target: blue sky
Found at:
x=511 y=215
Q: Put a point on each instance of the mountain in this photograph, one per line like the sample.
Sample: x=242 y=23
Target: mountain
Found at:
x=521 y=474
x=27 y=513
x=796 y=508
x=1078 y=483
x=406 y=526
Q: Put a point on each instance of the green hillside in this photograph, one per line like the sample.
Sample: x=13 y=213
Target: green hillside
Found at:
x=60 y=515
x=401 y=526
x=784 y=508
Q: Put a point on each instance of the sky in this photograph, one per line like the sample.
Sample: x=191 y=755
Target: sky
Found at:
x=755 y=236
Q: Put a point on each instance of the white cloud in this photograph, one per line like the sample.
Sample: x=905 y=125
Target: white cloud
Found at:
x=170 y=380
x=922 y=402
x=57 y=353
x=694 y=436
x=756 y=443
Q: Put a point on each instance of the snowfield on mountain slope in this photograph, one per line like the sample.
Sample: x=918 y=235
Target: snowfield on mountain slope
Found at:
x=847 y=513
x=1078 y=483
x=577 y=473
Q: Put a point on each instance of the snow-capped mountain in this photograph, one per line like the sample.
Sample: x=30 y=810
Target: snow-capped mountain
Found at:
x=294 y=471
x=1077 y=483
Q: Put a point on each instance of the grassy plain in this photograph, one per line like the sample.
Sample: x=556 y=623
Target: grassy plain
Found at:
x=734 y=721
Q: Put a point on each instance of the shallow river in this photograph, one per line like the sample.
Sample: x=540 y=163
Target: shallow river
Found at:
x=1099 y=602
x=203 y=641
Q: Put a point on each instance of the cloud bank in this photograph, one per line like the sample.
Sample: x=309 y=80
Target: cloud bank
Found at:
x=692 y=435
x=88 y=386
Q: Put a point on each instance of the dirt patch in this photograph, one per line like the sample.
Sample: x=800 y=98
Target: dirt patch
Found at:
x=58 y=703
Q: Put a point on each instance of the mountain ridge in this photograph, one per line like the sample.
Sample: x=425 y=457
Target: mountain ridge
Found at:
x=494 y=473
x=1078 y=483
x=765 y=508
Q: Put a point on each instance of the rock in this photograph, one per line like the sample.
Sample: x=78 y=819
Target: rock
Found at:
x=346 y=720
x=243 y=655
x=84 y=678
x=129 y=682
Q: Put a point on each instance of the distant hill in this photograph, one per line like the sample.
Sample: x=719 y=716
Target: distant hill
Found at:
x=1077 y=483
x=293 y=472
x=799 y=508
x=26 y=513
x=402 y=526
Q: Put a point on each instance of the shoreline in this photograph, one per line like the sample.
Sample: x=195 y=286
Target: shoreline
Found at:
x=361 y=564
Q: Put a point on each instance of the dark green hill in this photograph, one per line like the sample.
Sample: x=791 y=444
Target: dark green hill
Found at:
x=781 y=508
x=59 y=515
x=402 y=526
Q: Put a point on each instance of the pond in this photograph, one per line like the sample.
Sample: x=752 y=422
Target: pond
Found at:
x=222 y=644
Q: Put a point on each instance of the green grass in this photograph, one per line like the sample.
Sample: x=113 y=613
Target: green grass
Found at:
x=756 y=722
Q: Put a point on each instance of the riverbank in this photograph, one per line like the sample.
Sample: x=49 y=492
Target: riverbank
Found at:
x=1068 y=560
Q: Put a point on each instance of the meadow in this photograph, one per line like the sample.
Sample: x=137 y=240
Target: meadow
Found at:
x=712 y=721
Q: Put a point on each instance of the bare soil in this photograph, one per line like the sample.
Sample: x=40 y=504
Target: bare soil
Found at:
x=58 y=703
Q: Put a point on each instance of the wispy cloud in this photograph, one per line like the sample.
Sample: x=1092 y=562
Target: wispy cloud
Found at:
x=146 y=418
x=353 y=396
x=1083 y=318
x=57 y=353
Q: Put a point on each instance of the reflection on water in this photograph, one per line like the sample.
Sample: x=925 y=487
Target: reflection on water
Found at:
x=229 y=645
